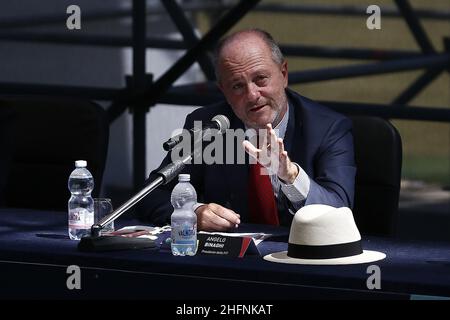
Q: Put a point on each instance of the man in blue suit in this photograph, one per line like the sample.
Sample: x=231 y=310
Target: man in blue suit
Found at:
x=311 y=145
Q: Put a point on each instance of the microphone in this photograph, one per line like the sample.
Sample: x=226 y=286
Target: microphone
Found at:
x=218 y=122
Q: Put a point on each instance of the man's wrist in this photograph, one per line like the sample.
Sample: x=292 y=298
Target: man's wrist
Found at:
x=292 y=174
x=298 y=191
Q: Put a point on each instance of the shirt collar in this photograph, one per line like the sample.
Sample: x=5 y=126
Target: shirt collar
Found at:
x=280 y=129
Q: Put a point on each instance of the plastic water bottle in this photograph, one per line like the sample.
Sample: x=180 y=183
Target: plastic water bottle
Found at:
x=184 y=219
x=81 y=204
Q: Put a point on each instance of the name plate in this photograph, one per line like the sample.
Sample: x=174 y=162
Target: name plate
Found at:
x=223 y=245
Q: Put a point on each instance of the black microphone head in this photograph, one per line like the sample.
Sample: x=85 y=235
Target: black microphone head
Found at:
x=172 y=142
x=222 y=121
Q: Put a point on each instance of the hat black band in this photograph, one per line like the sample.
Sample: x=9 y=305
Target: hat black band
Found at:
x=324 y=252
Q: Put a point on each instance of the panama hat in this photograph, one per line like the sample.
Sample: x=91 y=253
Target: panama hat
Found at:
x=324 y=235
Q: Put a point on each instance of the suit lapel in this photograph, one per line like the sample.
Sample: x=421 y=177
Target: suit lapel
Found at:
x=294 y=132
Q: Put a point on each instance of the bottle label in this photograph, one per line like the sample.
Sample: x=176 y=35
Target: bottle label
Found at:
x=80 y=218
x=185 y=233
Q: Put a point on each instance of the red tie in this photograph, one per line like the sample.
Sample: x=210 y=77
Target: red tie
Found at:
x=262 y=205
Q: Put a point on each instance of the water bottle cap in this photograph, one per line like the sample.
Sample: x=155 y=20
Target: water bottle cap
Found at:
x=81 y=164
x=184 y=177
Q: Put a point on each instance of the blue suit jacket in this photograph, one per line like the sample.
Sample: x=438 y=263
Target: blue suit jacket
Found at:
x=317 y=138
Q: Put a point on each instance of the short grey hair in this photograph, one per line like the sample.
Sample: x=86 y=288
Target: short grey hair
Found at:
x=277 y=55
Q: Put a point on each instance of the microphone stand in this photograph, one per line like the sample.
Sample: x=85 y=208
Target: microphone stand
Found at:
x=165 y=175
x=96 y=228
x=95 y=242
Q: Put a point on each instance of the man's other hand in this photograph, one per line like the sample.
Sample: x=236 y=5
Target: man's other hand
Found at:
x=271 y=154
x=214 y=217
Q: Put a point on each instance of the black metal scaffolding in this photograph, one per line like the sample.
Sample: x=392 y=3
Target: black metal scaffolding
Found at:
x=142 y=92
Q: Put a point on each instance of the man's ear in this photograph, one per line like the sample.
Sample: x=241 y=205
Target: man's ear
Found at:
x=219 y=85
x=284 y=72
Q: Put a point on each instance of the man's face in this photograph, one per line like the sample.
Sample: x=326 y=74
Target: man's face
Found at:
x=252 y=82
